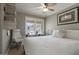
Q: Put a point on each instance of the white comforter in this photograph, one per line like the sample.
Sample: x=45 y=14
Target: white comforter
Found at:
x=48 y=45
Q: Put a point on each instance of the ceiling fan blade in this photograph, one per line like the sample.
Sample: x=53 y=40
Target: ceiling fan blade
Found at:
x=51 y=4
x=37 y=8
x=50 y=9
x=43 y=4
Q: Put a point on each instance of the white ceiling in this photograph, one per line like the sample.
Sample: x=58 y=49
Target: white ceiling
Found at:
x=32 y=8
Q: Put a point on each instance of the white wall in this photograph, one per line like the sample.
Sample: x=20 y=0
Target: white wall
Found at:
x=1 y=25
x=51 y=22
x=5 y=41
x=0 y=31
x=20 y=20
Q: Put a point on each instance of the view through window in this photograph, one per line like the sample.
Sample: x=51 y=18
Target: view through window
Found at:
x=33 y=28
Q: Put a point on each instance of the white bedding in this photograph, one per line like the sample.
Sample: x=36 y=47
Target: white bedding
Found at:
x=49 y=45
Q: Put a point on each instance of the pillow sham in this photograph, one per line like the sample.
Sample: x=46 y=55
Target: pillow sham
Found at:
x=59 y=33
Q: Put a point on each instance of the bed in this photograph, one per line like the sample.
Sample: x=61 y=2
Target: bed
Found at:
x=49 y=45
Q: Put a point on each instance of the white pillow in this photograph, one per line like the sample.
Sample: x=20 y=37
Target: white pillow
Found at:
x=59 y=33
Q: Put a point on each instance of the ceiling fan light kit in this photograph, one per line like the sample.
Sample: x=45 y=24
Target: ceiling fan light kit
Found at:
x=45 y=9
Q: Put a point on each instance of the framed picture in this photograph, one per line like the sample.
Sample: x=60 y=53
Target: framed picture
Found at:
x=68 y=17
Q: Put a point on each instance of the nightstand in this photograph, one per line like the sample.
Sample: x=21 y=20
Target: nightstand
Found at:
x=16 y=50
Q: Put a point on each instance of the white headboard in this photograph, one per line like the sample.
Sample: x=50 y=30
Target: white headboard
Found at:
x=73 y=34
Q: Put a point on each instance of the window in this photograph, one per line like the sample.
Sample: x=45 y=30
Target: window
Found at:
x=34 y=26
x=38 y=28
x=30 y=28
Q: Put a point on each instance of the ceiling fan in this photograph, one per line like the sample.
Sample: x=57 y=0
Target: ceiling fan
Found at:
x=47 y=6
